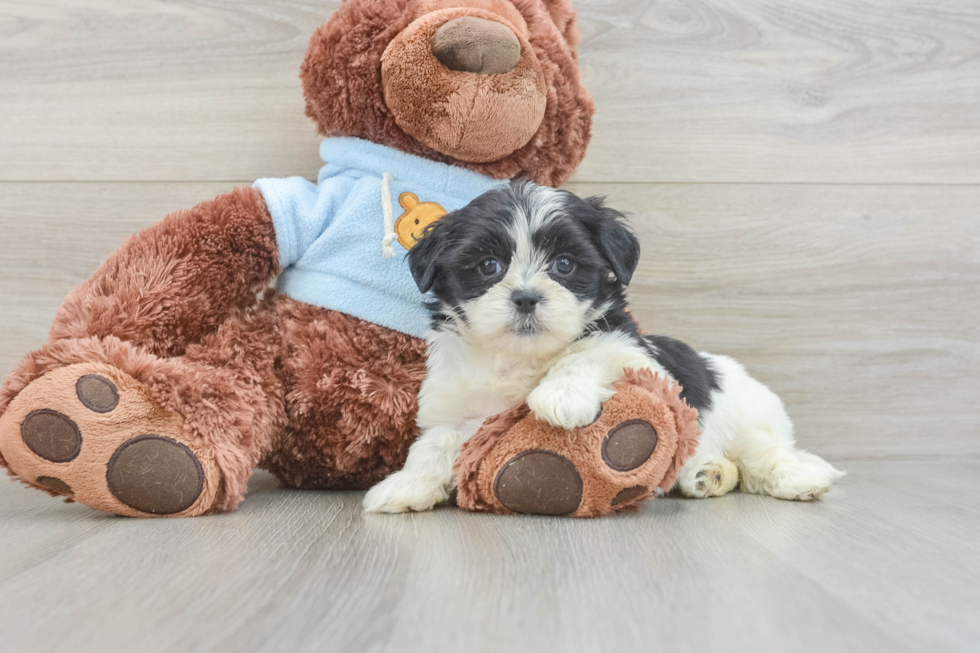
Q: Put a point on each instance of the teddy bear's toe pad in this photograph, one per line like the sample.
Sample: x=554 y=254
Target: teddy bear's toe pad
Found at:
x=155 y=474
x=54 y=484
x=539 y=482
x=629 y=445
x=97 y=393
x=97 y=435
x=628 y=494
x=51 y=435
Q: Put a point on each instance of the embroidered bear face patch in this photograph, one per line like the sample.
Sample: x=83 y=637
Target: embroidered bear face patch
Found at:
x=417 y=216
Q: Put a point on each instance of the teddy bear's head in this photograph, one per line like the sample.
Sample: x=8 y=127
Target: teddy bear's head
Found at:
x=491 y=85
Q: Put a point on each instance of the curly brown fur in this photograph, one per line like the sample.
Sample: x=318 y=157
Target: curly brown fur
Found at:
x=352 y=399
x=563 y=15
x=177 y=281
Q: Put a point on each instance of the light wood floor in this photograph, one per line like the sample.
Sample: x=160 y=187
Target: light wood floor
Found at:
x=805 y=178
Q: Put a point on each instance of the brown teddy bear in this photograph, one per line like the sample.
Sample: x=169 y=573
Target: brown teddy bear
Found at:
x=174 y=372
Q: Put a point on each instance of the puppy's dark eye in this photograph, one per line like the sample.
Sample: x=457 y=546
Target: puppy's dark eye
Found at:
x=563 y=266
x=491 y=267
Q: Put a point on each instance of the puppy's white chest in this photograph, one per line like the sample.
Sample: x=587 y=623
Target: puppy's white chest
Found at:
x=514 y=379
x=466 y=383
x=498 y=381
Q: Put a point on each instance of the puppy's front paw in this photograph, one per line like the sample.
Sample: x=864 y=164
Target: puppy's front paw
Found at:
x=403 y=492
x=569 y=403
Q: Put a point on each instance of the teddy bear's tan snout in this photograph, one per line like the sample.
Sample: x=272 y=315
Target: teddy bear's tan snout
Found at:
x=466 y=82
x=477 y=45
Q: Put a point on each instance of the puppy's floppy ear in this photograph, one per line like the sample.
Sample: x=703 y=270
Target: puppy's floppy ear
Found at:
x=423 y=258
x=616 y=242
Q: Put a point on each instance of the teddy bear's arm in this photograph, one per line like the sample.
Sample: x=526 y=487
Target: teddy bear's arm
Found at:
x=178 y=280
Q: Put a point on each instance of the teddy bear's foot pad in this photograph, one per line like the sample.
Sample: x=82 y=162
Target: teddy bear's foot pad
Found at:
x=94 y=434
x=629 y=445
x=156 y=475
x=55 y=485
x=539 y=482
x=52 y=436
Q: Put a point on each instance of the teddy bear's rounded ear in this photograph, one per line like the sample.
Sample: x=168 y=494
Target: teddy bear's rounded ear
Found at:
x=563 y=15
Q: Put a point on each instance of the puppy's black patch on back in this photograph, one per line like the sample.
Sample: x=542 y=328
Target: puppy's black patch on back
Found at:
x=689 y=368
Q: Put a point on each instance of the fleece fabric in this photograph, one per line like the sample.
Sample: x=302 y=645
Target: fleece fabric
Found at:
x=330 y=234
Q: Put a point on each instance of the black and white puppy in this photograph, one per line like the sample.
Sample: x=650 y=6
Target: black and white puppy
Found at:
x=529 y=284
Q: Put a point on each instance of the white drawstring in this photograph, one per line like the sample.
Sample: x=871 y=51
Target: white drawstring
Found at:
x=388 y=242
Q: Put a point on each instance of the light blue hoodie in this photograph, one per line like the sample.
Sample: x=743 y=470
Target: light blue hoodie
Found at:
x=336 y=247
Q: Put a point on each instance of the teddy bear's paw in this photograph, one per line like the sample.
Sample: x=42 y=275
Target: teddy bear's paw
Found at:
x=94 y=434
x=405 y=492
x=567 y=402
x=630 y=453
x=605 y=468
x=708 y=478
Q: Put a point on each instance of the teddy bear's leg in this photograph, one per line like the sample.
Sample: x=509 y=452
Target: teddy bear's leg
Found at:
x=639 y=442
x=351 y=399
x=122 y=430
x=148 y=397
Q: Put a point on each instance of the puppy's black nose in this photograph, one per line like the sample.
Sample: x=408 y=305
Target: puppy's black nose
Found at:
x=525 y=300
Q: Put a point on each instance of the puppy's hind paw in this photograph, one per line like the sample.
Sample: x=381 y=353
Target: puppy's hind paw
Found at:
x=708 y=478
x=802 y=481
x=402 y=492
